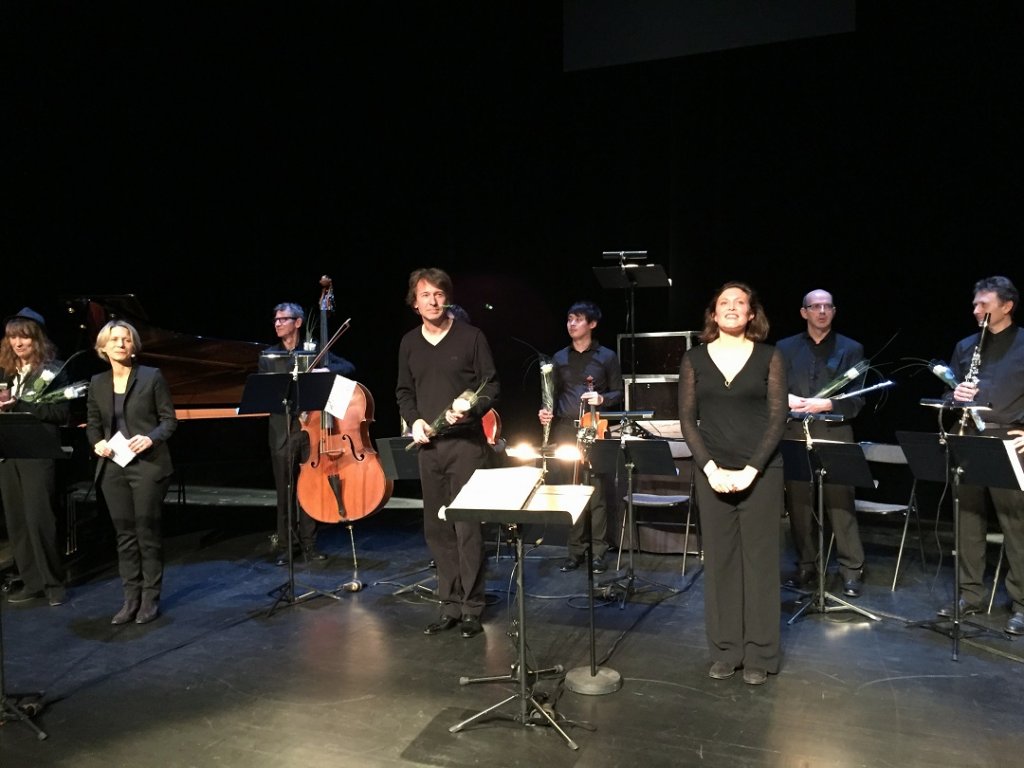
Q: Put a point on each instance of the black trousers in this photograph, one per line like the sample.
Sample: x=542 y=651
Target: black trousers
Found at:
x=741 y=571
x=135 y=501
x=286 y=471
x=457 y=548
x=29 y=496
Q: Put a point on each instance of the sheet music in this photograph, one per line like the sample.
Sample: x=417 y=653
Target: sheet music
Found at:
x=1015 y=462
x=340 y=397
x=518 y=488
x=505 y=488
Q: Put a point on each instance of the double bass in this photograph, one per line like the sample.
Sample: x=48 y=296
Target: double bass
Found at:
x=343 y=479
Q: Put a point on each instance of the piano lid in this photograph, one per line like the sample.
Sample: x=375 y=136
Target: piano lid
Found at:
x=202 y=372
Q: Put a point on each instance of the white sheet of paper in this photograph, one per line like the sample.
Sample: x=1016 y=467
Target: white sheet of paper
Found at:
x=340 y=397
x=1015 y=462
x=504 y=488
x=123 y=455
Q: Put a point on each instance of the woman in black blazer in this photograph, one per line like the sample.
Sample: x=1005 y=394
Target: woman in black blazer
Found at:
x=130 y=418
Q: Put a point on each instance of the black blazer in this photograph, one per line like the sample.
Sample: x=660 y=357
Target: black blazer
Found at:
x=148 y=409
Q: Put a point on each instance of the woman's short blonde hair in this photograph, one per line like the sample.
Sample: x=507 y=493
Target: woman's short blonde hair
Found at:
x=104 y=336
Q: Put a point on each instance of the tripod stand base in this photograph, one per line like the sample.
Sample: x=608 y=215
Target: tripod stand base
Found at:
x=537 y=715
x=579 y=680
x=819 y=606
x=23 y=708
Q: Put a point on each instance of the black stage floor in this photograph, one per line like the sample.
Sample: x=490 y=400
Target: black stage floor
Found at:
x=229 y=677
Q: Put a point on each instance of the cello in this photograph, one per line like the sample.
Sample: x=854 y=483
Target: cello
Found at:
x=343 y=479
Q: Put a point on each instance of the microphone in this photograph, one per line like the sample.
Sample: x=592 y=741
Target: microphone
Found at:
x=834 y=386
x=942 y=370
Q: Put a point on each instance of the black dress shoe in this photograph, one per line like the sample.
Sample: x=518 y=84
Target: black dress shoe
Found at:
x=852 y=586
x=446 y=623
x=148 y=611
x=598 y=566
x=312 y=554
x=966 y=609
x=571 y=564
x=470 y=626
x=23 y=595
x=1015 y=624
x=127 y=612
x=805 y=577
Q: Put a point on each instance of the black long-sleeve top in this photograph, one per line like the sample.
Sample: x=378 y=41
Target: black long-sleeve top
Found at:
x=1001 y=375
x=431 y=376
x=571 y=371
x=739 y=423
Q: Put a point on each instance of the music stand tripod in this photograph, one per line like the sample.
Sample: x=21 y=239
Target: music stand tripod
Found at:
x=595 y=680
x=289 y=394
x=402 y=464
x=829 y=463
x=552 y=504
x=981 y=461
x=23 y=436
x=645 y=457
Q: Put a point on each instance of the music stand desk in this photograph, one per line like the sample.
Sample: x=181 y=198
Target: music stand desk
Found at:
x=826 y=462
x=557 y=504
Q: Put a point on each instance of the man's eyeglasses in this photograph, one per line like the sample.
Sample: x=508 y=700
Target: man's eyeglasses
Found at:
x=820 y=307
x=284 y=320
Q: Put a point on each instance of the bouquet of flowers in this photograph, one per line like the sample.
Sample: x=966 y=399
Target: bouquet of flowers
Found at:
x=547 y=392
x=70 y=392
x=39 y=391
x=461 y=404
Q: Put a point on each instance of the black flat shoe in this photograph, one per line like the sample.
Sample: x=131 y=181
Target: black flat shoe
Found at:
x=471 y=626
x=570 y=564
x=446 y=623
x=127 y=612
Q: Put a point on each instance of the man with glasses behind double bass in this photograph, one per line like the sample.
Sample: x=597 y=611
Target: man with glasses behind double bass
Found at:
x=285 y=456
x=998 y=381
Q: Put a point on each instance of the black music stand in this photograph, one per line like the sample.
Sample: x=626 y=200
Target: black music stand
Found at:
x=644 y=457
x=402 y=464
x=630 y=277
x=826 y=463
x=982 y=461
x=552 y=504
x=23 y=436
x=288 y=394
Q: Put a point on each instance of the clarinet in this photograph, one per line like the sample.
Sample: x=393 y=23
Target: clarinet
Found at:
x=972 y=378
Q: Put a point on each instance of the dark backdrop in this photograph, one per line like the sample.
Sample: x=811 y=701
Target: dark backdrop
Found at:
x=217 y=158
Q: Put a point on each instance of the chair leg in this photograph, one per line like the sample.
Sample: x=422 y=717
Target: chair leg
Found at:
x=899 y=554
x=686 y=534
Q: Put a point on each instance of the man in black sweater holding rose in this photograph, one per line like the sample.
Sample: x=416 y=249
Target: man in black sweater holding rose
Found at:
x=438 y=361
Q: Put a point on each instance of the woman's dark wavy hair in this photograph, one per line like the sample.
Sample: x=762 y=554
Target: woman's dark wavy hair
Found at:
x=757 y=328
